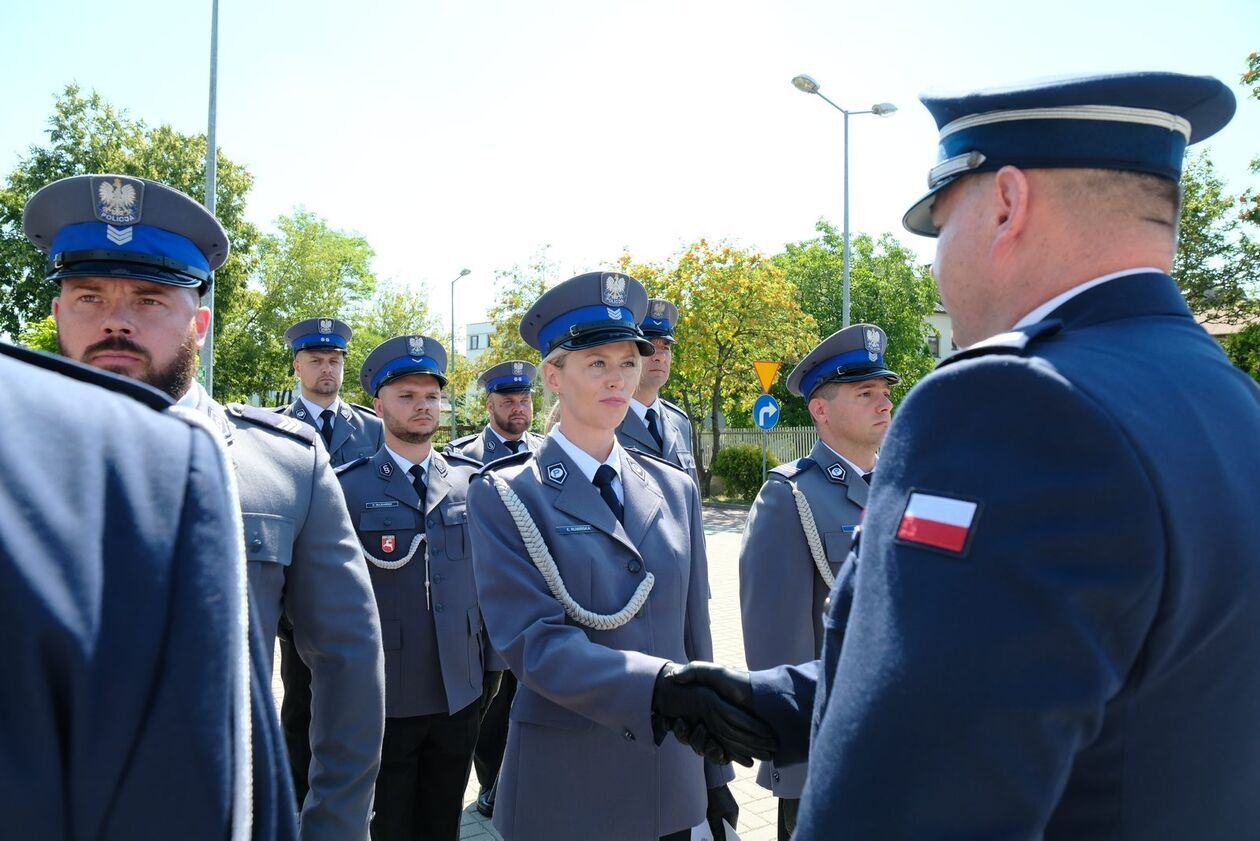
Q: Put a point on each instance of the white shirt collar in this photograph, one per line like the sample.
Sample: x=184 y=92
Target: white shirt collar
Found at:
x=316 y=410
x=503 y=440
x=586 y=462
x=1057 y=301
x=642 y=410
x=406 y=464
x=191 y=397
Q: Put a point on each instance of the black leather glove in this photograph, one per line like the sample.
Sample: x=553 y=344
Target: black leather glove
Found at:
x=709 y=708
x=722 y=807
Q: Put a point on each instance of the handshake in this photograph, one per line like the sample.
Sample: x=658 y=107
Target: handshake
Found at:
x=709 y=708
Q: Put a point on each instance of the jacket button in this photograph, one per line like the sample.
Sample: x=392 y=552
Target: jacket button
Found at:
x=634 y=567
x=438 y=607
x=255 y=544
x=437 y=579
x=432 y=522
x=775 y=776
x=827 y=605
x=389 y=522
x=628 y=736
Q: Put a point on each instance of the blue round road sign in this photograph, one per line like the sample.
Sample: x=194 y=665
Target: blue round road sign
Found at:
x=766 y=412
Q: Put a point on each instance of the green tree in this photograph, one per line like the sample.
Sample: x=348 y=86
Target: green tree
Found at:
x=886 y=288
x=87 y=134
x=1217 y=265
x=305 y=269
x=1250 y=200
x=735 y=307
x=40 y=335
x=394 y=310
x=1243 y=349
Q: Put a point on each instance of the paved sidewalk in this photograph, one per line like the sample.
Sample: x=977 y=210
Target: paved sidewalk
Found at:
x=757 y=815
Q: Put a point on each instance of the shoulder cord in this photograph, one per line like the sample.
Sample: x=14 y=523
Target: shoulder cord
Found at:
x=811 y=536
x=401 y=562
x=541 y=556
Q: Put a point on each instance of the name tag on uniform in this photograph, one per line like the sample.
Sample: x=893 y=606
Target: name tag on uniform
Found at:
x=574 y=529
x=848 y=529
x=393 y=503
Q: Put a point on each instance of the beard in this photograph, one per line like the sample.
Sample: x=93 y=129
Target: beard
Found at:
x=325 y=388
x=173 y=379
x=400 y=430
x=512 y=426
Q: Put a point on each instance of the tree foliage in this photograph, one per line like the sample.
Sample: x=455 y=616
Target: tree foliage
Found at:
x=735 y=307
x=1250 y=199
x=1243 y=349
x=394 y=310
x=1217 y=265
x=86 y=134
x=303 y=270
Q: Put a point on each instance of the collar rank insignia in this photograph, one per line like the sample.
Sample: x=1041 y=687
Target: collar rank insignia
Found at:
x=614 y=291
x=301 y=413
x=416 y=345
x=117 y=200
x=557 y=473
x=872 y=343
x=490 y=445
x=836 y=472
x=518 y=368
x=387 y=469
x=389 y=542
x=325 y=326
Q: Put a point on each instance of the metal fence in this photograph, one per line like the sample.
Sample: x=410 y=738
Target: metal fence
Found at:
x=787 y=442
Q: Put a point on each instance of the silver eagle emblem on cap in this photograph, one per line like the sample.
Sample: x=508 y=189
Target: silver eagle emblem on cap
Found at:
x=872 y=343
x=415 y=344
x=614 y=292
x=518 y=368
x=117 y=200
x=658 y=309
x=325 y=325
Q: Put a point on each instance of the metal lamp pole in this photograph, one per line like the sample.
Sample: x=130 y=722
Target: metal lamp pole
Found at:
x=462 y=272
x=807 y=84
x=207 y=350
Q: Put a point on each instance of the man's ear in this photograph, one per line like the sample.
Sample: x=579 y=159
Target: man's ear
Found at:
x=201 y=323
x=1009 y=193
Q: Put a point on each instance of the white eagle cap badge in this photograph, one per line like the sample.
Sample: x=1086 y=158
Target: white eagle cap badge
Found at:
x=117 y=200
x=658 y=309
x=518 y=368
x=872 y=343
x=415 y=344
x=325 y=325
x=614 y=292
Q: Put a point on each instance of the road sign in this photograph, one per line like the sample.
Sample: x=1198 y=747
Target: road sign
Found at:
x=766 y=412
x=766 y=372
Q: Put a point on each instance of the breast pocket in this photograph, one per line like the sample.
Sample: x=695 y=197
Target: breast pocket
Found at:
x=455 y=530
x=836 y=547
x=268 y=538
x=386 y=533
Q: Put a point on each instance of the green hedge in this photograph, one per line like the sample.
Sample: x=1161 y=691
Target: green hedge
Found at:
x=740 y=469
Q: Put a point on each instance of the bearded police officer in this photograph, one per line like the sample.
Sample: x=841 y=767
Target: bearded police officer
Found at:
x=654 y=425
x=1049 y=627
x=799 y=529
x=123 y=616
x=409 y=506
x=349 y=431
x=509 y=390
x=131 y=256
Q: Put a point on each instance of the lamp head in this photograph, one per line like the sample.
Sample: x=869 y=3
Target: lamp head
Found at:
x=805 y=84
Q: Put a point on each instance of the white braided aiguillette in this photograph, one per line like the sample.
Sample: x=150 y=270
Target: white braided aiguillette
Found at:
x=541 y=556
x=811 y=537
x=401 y=562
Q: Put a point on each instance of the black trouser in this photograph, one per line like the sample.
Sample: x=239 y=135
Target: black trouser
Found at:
x=788 y=809
x=295 y=710
x=492 y=740
x=424 y=765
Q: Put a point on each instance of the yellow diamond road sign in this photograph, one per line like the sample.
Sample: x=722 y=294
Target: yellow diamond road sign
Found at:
x=766 y=372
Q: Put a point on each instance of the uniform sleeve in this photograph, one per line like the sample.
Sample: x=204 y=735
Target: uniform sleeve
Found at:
x=337 y=632
x=776 y=581
x=528 y=628
x=968 y=680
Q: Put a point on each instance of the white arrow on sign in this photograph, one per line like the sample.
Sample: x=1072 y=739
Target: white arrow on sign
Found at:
x=766 y=412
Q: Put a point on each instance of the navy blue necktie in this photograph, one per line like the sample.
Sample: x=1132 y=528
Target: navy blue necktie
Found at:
x=325 y=431
x=603 y=480
x=417 y=482
x=650 y=417
x=514 y=446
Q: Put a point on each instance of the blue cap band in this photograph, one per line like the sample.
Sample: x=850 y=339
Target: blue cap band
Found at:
x=406 y=365
x=828 y=367
x=140 y=239
x=662 y=325
x=520 y=381
x=313 y=340
x=582 y=315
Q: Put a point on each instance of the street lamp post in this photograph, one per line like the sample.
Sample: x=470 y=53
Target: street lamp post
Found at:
x=806 y=84
x=207 y=350
x=462 y=272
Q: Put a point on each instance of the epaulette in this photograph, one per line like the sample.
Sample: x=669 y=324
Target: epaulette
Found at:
x=279 y=410
x=134 y=389
x=507 y=461
x=1012 y=342
x=467 y=439
x=304 y=432
x=349 y=464
x=654 y=457
x=367 y=409
x=676 y=408
x=792 y=469
x=460 y=458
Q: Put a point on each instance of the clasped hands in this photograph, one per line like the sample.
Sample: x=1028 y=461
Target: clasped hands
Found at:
x=709 y=708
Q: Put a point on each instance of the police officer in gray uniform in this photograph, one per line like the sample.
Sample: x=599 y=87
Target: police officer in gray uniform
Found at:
x=131 y=255
x=654 y=425
x=592 y=574
x=800 y=526
x=409 y=506
x=510 y=404
x=349 y=431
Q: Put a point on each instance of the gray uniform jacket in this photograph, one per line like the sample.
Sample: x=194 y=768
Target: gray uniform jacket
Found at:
x=581 y=760
x=633 y=432
x=357 y=433
x=385 y=511
x=781 y=592
x=486 y=446
x=304 y=561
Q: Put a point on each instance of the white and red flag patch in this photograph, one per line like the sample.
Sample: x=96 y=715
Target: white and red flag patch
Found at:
x=938 y=522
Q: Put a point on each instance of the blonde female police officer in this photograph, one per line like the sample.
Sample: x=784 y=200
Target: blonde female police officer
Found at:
x=592 y=576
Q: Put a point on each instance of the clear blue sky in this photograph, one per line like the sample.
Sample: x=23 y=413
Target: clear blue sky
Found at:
x=472 y=134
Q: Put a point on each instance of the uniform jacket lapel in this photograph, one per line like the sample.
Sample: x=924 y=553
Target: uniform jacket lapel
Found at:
x=642 y=499
x=397 y=483
x=490 y=446
x=637 y=430
x=297 y=409
x=854 y=486
x=344 y=427
x=437 y=485
x=576 y=495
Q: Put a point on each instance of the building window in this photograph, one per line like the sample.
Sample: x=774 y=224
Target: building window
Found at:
x=934 y=345
x=474 y=342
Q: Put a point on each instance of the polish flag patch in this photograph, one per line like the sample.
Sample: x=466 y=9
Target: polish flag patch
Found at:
x=938 y=522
